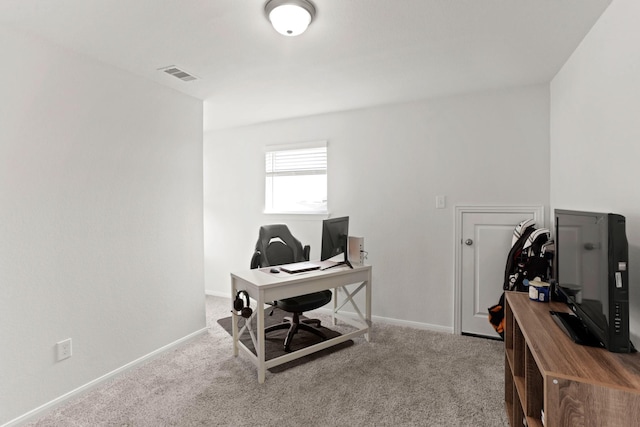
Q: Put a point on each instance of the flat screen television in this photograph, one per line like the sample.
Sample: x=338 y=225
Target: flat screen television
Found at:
x=335 y=236
x=591 y=274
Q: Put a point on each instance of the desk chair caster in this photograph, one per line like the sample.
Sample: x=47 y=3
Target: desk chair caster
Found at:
x=293 y=324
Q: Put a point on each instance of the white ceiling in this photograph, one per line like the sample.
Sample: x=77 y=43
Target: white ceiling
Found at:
x=356 y=53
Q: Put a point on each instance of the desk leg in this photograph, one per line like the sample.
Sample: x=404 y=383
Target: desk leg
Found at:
x=367 y=314
x=334 y=321
x=261 y=340
x=234 y=320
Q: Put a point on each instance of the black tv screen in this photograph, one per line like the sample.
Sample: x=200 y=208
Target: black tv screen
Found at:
x=591 y=271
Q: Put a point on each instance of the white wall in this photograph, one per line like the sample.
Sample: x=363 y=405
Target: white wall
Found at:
x=595 y=149
x=100 y=218
x=386 y=165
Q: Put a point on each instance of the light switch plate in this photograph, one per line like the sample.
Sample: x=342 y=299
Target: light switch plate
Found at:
x=64 y=349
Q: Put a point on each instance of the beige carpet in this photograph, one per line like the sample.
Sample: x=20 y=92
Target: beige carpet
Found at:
x=405 y=377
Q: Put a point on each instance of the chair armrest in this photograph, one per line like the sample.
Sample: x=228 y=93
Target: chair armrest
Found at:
x=306 y=251
x=255 y=260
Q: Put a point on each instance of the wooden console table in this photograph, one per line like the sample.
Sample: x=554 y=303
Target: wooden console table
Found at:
x=552 y=381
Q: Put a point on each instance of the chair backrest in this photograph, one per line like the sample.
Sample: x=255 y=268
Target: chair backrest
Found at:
x=276 y=245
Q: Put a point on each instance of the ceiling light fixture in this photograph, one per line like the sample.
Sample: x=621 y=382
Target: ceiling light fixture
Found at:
x=290 y=17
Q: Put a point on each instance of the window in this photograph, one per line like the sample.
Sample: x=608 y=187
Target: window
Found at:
x=296 y=178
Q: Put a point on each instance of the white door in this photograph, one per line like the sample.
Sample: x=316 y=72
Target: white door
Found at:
x=484 y=242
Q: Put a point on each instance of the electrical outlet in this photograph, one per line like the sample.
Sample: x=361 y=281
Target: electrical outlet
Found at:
x=64 y=349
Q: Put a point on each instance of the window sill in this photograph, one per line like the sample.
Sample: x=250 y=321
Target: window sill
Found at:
x=306 y=216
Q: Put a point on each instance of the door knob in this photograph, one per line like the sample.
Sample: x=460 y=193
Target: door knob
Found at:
x=468 y=242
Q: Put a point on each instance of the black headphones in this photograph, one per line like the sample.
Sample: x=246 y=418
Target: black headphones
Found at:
x=241 y=306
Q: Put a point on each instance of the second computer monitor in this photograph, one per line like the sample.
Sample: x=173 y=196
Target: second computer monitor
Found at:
x=335 y=232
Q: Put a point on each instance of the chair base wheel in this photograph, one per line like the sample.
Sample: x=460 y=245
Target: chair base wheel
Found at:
x=294 y=325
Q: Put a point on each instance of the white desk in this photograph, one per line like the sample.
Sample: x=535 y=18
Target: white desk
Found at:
x=264 y=286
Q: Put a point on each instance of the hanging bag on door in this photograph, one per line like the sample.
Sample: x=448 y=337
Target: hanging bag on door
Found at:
x=529 y=258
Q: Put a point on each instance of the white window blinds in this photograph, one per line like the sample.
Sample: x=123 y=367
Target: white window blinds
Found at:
x=296 y=178
x=300 y=161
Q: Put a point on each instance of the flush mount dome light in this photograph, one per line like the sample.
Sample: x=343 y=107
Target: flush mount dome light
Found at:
x=290 y=17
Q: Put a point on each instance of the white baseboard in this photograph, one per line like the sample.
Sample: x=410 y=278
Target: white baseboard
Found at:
x=88 y=386
x=386 y=320
x=412 y=324
x=216 y=294
x=397 y=322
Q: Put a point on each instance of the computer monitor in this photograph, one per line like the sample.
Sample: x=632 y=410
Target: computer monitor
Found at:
x=335 y=235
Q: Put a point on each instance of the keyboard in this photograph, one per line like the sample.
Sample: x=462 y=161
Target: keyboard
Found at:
x=299 y=267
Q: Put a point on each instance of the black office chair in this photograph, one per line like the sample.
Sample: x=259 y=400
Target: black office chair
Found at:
x=276 y=245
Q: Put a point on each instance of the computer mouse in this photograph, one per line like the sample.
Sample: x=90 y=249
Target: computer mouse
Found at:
x=274 y=270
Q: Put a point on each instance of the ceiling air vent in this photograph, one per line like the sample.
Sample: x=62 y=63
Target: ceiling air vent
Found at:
x=178 y=73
